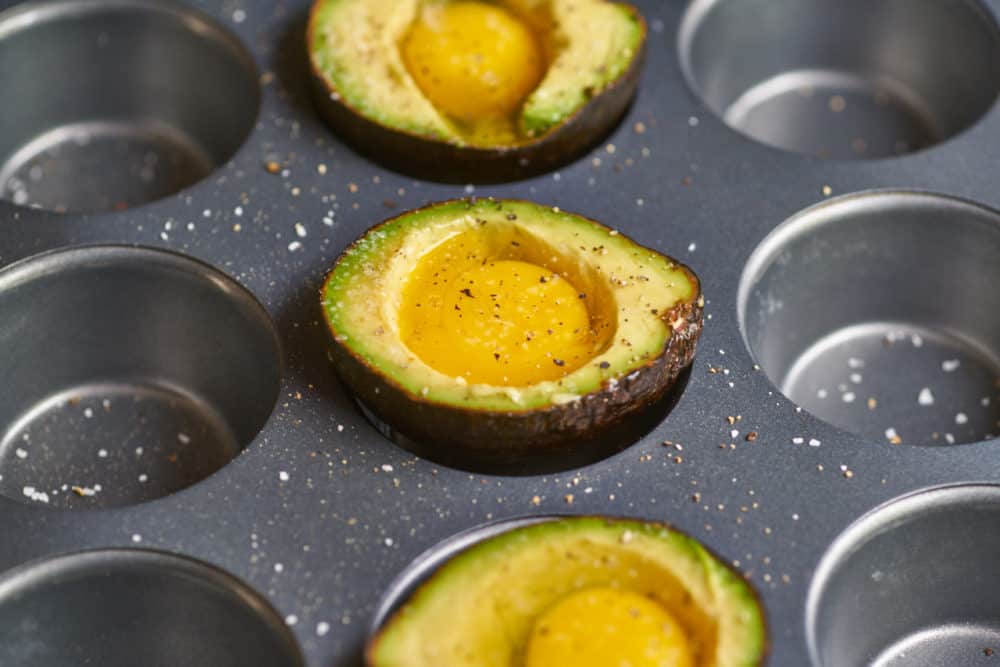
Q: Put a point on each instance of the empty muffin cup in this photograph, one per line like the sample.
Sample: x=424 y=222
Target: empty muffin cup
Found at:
x=844 y=79
x=912 y=583
x=129 y=373
x=879 y=313
x=124 y=607
x=114 y=103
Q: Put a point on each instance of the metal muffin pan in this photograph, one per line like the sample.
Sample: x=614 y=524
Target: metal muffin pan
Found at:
x=117 y=103
x=319 y=512
x=131 y=606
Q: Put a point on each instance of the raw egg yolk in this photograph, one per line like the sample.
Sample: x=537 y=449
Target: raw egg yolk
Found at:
x=605 y=627
x=472 y=60
x=493 y=321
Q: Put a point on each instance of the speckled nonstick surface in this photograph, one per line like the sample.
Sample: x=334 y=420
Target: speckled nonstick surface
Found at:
x=319 y=512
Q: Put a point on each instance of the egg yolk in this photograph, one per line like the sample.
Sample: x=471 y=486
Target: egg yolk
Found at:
x=472 y=60
x=605 y=627
x=498 y=321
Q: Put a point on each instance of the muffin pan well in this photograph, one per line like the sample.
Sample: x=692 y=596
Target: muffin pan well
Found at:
x=114 y=104
x=119 y=607
x=854 y=79
x=301 y=498
x=131 y=373
x=904 y=585
x=878 y=313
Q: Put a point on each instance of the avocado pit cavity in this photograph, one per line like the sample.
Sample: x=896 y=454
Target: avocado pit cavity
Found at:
x=603 y=626
x=497 y=306
x=476 y=62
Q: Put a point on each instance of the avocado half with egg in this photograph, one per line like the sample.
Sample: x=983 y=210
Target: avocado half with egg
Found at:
x=471 y=90
x=490 y=332
x=583 y=591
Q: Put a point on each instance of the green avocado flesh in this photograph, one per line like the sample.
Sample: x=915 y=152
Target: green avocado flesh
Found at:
x=631 y=293
x=478 y=609
x=354 y=47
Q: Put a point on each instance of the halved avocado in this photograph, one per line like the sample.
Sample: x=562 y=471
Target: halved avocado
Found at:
x=527 y=598
x=502 y=333
x=366 y=90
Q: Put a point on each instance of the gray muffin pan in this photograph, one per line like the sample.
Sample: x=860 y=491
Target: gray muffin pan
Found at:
x=180 y=467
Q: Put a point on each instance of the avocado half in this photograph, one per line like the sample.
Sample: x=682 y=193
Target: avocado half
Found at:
x=646 y=307
x=479 y=608
x=366 y=94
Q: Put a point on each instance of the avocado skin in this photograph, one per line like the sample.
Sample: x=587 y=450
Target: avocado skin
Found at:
x=432 y=159
x=576 y=433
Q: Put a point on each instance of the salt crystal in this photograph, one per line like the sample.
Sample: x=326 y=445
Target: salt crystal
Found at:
x=925 y=397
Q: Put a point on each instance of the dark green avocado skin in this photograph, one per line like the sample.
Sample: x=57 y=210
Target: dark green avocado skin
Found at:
x=434 y=160
x=532 y=441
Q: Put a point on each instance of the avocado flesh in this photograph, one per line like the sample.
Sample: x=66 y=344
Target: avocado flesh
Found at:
x=478 y=609
x=632 y=291
x=354 y=48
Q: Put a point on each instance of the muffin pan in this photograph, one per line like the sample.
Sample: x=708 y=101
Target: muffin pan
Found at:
x=151 y=607
x=868 y=278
